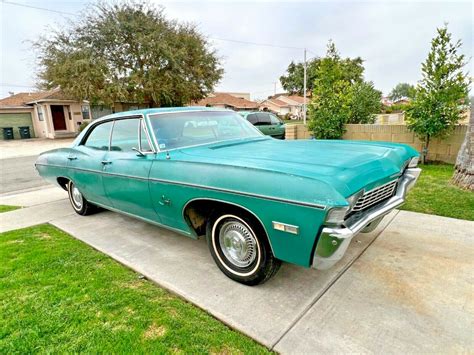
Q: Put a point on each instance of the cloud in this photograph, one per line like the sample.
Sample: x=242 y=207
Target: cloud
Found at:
x=392 y=37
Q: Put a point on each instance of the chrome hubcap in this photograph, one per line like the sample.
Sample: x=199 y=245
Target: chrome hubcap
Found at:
x=237 y=243
x=77 y=197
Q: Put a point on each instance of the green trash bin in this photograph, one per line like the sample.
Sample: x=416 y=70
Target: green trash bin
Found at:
x=24 y=132
x=7 y=132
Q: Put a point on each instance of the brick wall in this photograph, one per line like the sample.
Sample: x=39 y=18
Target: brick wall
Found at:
x=445 y=150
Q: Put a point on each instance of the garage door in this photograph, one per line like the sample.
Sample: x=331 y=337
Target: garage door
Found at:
x=16 y=120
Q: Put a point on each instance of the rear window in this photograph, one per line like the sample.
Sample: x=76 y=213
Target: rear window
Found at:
x=252 y=118
x=263 y=119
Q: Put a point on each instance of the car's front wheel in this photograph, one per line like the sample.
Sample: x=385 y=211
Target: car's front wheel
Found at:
x=78 y=201
x=240 y=248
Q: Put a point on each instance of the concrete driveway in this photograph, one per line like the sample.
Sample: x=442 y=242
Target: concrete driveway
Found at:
x=17 y=158
x=406 y=287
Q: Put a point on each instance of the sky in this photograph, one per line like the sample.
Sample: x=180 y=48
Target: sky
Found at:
x=392 y=37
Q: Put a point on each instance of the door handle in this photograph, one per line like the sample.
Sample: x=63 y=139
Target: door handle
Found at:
x=106 y=162
x=164 y=201
x=72 y=158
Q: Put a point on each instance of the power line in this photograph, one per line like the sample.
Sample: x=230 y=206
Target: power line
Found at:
x=255 y=43
x=38 y=8
x=16 y=85
x=212 y=38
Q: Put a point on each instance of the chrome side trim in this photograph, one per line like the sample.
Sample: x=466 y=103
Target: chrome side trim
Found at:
x=204 y=187
x=287 y=228
x=235 y=192
x=357 y=223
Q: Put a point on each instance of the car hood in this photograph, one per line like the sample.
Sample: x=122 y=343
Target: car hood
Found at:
x=348 y=166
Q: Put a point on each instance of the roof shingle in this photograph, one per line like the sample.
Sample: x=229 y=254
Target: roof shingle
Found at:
x=23 y=98
x=226 y=99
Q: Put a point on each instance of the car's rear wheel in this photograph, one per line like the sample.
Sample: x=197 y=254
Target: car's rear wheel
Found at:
x=78 y=201
x=240 y=248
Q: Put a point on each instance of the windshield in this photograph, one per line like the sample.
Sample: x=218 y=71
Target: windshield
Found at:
x=183 y=129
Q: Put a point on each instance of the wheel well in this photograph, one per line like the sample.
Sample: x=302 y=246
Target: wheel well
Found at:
x=197 y=212
x=62 y=181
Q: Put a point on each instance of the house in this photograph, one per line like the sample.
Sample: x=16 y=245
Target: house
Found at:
x=402 y=101
x=277 y=106
x=48 y=114
x=283 y=104
x=234 y=101
x=386 y=101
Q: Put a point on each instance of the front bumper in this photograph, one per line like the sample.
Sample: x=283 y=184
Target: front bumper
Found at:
x=333 y=241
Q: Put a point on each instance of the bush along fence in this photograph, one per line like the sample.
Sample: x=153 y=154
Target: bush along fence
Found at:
x=442 y=150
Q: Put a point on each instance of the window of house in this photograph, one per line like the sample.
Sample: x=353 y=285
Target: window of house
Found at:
x=85 y=112
x=40 y=113
x=99 y=138
x=125 y=135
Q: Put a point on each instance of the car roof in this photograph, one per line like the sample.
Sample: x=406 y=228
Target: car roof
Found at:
x=149 y=111
x=246 y=113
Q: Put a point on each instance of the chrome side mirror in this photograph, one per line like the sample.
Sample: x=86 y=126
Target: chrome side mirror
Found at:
x=139 y=152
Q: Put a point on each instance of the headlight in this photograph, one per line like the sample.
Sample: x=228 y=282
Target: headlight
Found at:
x=413 y=162
x=336 y=215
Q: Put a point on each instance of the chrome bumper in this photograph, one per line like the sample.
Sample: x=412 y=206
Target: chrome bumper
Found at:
x=340 y=237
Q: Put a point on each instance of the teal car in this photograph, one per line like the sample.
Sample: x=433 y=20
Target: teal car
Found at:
x=268 y=123
x=209 y=172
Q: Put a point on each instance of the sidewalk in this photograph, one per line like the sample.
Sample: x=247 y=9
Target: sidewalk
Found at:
x=406 y=287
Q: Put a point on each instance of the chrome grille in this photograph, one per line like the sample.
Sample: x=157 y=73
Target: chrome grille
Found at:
x=374 y=196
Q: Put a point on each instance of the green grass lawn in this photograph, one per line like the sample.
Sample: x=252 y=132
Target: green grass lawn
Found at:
x=6 y=208
x=434 y=194
x=58 y=295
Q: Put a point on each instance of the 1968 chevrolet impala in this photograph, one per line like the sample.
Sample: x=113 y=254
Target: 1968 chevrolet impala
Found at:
x=258 y=200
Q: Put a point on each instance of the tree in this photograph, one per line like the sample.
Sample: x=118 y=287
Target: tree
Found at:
x=293 y=81
x=128 y=52
x=441 y=94
x=365 y=101
x=402 y=90
x=340 y=96
x=464 y=168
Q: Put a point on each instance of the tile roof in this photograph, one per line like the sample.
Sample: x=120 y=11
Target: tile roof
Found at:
x=23 y=98
x=226 y=99
x=298 y=99
x=276 y=102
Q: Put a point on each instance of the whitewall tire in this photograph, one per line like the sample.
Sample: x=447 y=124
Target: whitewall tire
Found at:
x=240 y=248
x=78 y=201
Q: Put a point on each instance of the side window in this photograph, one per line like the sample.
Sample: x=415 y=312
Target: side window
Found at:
x=99 y=137
x=274 y=119
x=252 y=118
x=125 y=135
x=144 y=144
x=263 y=119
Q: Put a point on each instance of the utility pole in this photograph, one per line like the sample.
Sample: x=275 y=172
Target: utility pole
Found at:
x=274 y=88
x=304 y=88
